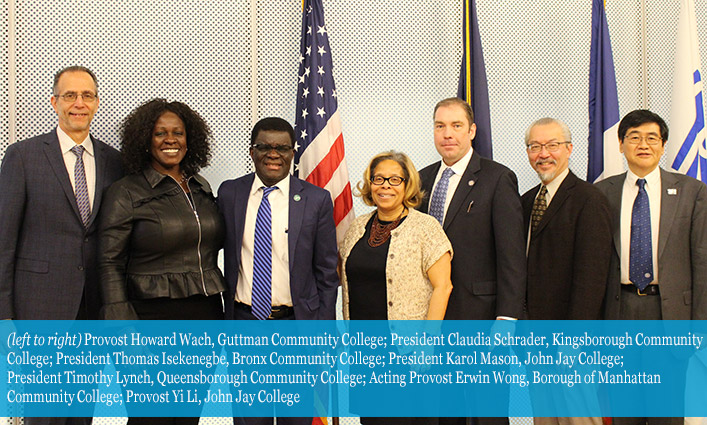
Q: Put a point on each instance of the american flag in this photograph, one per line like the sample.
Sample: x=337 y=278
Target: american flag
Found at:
x=319 y=145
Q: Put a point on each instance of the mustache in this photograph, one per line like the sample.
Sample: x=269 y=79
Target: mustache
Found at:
x=545 y=161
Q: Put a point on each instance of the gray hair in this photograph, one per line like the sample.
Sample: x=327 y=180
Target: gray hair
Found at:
x=546 y=121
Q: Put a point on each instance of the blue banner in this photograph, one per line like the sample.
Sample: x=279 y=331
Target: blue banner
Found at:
x=370 y=368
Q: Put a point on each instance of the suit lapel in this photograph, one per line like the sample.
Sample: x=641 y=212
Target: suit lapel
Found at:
x=668 y=207
x=563 y=192
x=466 y=184
x=240 y=205
x=428 y=180
x=297 y=202
x=614 y=195
x=100 y=158
x=53 y=152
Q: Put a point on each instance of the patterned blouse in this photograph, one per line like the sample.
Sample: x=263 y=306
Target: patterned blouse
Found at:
x=415 y=246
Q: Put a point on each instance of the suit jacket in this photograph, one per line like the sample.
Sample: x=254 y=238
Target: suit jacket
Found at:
x=312 y=245
x=484 y=223
x=47 y=256
x=569 y=253
x=682 y=246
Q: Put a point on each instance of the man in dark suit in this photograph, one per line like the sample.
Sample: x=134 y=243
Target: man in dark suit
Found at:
x=477 y=202
x=51 y=189
x=568 y=225
x=569 y=245
x=50 y=201
x=297 y=279
x=658 y=265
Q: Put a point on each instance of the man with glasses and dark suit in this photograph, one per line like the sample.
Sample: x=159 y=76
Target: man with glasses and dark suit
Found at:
x=51 y=188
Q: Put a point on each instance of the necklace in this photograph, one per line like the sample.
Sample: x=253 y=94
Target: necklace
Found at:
x=381 y=232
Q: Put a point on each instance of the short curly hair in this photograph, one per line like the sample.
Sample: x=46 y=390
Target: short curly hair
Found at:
x=413 y=195
x=136 y=136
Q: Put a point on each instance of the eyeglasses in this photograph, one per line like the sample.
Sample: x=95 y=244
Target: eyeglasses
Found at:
x=71 y=96
x=635 y=139
x=550 y=147
x=265 y=148
x=392 y=180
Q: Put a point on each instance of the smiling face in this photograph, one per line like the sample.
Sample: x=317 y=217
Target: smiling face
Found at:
x=642 y=158
x=548 y=164
x=388 y=198
x=271 y=165
x=453 y=133
x=75 y=117
x=169 y=144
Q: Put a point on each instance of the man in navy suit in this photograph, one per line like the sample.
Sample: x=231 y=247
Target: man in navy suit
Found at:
x=51 y=189
x=477 y=202
x=298 y=277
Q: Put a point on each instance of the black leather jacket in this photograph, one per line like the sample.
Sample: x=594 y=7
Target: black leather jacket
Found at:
x=156 y=240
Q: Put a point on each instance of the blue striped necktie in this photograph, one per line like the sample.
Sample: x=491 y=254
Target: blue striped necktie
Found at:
x=261 y=301
x=80 y=185
x=439 y=197
x=640 y=256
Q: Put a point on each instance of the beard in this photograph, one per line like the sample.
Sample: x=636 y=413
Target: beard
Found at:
x=549 y=176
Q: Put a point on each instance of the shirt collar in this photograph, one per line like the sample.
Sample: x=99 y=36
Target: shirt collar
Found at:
x=460 y=166
x=652 y=178
x=556 y=182
x=66 y=143
x=283 y=185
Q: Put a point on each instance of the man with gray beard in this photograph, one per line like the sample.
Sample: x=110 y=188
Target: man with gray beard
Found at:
x=568 y=241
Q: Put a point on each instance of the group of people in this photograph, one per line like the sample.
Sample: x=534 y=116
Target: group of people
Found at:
x=89 y=232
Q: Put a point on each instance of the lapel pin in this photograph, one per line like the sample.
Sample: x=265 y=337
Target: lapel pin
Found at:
x=672 y=191
x=471 y=182
x=296 y=198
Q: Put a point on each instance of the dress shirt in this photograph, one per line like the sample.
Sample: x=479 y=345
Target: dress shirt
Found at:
x=66 y=143
x=551 y=191
x=458 y=167
x=630 y=191
x=280 y=207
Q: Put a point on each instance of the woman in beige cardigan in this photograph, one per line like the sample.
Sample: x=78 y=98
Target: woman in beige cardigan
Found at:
x=395 y=261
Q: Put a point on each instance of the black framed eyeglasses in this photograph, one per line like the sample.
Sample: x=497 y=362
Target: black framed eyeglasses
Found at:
x=265 y=148
x=392 y=180
x=71 y=96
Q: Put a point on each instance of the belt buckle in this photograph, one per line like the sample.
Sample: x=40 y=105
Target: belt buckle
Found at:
x=638 y=291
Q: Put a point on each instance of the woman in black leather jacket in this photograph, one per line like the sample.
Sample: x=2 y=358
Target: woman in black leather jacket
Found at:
x=160 y=229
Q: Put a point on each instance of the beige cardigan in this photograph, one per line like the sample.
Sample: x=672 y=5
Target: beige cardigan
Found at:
x=415 y=245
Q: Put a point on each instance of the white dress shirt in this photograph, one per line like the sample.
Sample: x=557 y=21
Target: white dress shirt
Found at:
x=458 y=168
x=66 y=143
x=280 y=208
x=630 y=191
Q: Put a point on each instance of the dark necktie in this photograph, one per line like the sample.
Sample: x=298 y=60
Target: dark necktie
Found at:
x=539 y=207
x=640 y=263
x=80 y=185
x=439 y=197
x=261 y=301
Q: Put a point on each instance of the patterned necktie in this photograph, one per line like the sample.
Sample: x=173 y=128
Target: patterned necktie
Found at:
x=80 y=185
x=539 y=207
x=640 y=263
x=439 y=197
x=261 y=301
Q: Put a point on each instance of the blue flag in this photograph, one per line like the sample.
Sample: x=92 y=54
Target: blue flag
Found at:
x=472 y=80
x=604 y=156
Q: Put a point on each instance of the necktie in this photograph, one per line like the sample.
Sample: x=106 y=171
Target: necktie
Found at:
x=439 y=196
x=80 y=185
x=539 y=207
x=261 y=302
x=640 y=263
